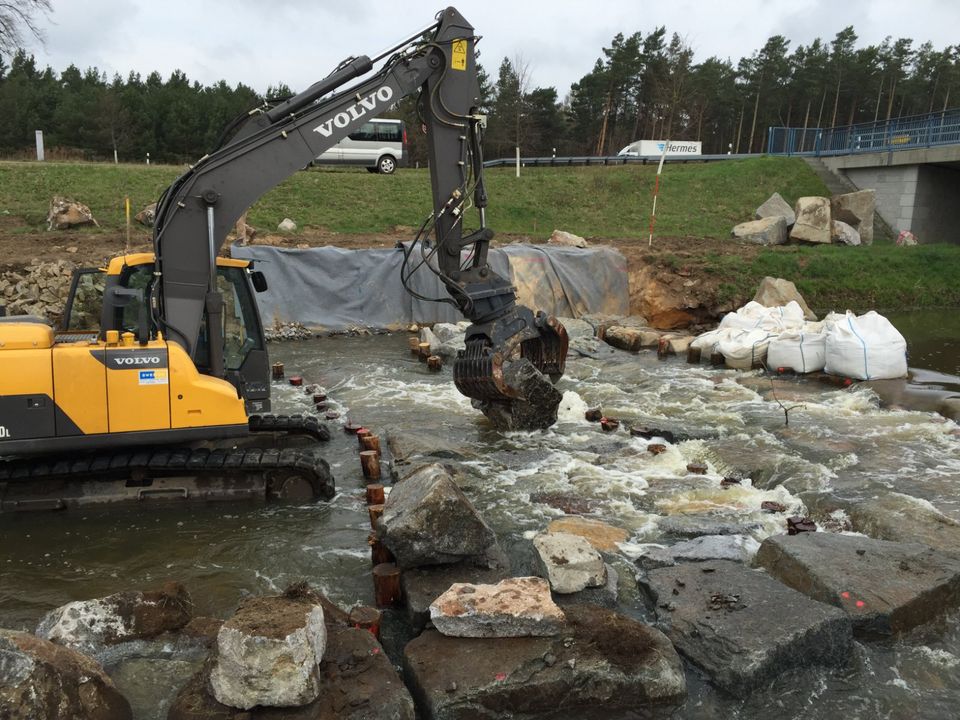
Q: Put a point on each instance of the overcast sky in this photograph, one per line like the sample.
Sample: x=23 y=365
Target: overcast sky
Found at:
x=263 y=42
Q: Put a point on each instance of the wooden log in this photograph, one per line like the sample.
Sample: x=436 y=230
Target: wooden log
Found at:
x=717 y=359
x=663 y=348
x=375 y=494
x=370 y=442
x=435 y=363
x=376 y=512
x=414 y=345
x=609 y=424
x=424 y=349
x=370 y=464
x=386 y=585
x=361 y=434
x=693 y=355
x=379 y=553
x=366 y=618
x=697 y=468
x=277 y=370
x=296 y=380
x=332 y=415
x=319 y=398
x=351 y=428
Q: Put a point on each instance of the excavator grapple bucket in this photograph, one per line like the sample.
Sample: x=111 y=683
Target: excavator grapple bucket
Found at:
x=509 y=383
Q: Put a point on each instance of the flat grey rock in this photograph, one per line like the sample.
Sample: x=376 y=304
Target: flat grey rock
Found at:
x=742 y=627
x=421 y=586
x=885 y=587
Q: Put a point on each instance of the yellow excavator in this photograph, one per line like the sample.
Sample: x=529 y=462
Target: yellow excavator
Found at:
x=167 y=392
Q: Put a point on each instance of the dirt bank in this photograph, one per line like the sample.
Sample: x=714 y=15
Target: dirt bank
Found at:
x=670 y=282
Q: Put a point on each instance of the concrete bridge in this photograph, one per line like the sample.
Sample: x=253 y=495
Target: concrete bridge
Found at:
x=912 y=163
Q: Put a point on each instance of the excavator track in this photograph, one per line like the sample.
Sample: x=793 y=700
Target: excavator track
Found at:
x=204 y=472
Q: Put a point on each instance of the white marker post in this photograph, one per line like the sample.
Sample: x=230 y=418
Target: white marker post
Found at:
x=39 y=145
x=518 y=161
x=656 y=191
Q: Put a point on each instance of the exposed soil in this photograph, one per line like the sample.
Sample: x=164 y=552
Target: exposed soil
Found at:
x=667 y=281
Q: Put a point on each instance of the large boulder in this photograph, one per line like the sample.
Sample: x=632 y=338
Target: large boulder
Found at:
x=813 y=220
x=602 y=660
x=777 y=292
x=739 y=548
x=409 y=444
x=742 y=627
x=427 y=520
x=91 y=625
x=65 y=214
x=562 y=237
x=774 y=207
x=269 y=654
x=422 y=585
x=357 y=682
x=602 y=536
x=147 y=215
x=535 y=406
x=856 y=209
x=569 y=562
x=40 y=679
x=903 y=518
x=885 y=587
x=515 y=607
x=844 y=234
x=766 y=231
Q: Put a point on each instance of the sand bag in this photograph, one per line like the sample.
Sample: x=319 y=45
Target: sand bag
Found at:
x=867 y=347
x=745 y=349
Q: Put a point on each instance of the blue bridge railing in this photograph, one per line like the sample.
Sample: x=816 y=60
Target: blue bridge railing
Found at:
x=915 y=131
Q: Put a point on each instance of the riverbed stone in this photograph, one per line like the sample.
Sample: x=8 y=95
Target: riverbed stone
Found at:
x=92 y=625
x=691 y=526
x=856 y=209
x=630 y=338
x=606 y=595
x=813 y=220
x=562 y=237
x=569 y=562
x=427 y=520
x=515 y=607
x=422 y=585
x=738 y=548
x=357 y=682
x=602 y=536
x=777 y=292
x=602 y=660
x=903 y=518
x=407 y=445
x=268 y=653
x=766 y=231
x=742 y=627
x=577 y=328
x=885 y=587
x=776 y=206
x=40 y=679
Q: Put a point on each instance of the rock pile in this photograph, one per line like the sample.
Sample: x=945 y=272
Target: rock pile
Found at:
x=40 y=289
x=846 y=219
x=284 y=331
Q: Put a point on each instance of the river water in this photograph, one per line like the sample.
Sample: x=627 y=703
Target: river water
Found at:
x=840 y=446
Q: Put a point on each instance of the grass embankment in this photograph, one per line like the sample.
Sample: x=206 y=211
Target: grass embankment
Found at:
x=697 y=201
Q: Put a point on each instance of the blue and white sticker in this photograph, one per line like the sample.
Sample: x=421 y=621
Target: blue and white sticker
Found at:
x=153 y=377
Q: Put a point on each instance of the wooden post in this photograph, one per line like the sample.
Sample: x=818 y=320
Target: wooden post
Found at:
x=296 y=380
x=351 y=428
x=693 y=355
x=379 y=553
x=717 y=359
x=366 y=618
x=370 y=442
x=332 y=415
x=361 y=434
x=319 y=398
x=424 y=348
x=278 y=371
x=386 y=584
x=435 y=363
x=414 y=345
x=375 y=494
x=370 y=464
x=376 y=512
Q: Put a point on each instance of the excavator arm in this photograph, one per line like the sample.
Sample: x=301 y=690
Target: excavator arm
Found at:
x=508 y=348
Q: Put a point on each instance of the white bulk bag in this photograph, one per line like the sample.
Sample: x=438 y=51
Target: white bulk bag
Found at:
x=799 y=350
x=742 y=349
x=867 y=347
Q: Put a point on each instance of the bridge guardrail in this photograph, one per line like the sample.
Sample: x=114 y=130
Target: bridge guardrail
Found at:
x=915 y=131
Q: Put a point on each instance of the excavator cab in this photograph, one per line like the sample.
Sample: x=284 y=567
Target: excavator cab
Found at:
x=118 y=298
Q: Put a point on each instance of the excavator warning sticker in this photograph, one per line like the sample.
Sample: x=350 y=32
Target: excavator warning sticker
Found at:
x=458 y=60
x=153 y=377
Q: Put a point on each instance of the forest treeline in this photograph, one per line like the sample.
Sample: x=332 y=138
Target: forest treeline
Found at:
x=641 y=87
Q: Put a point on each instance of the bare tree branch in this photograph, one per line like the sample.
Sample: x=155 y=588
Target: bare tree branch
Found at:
x=18 y=22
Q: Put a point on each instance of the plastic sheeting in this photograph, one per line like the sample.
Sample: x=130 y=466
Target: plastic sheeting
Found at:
x=331 y=288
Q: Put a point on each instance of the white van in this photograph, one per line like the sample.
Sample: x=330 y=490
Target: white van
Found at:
x=377 y=145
